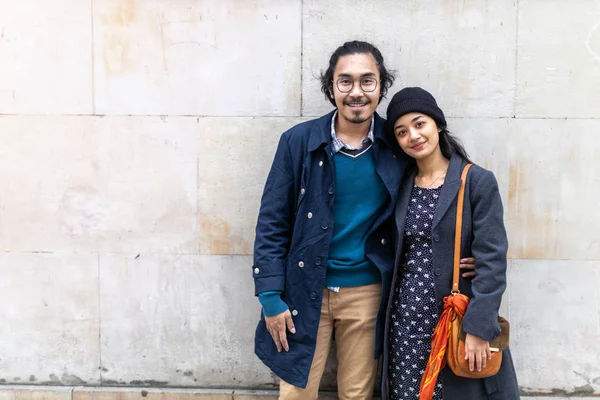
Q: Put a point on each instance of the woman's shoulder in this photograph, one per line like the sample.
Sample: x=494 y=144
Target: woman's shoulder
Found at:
x=477 y=171
x=480 y=177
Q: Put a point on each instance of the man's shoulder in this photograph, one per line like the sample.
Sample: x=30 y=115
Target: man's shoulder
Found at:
x=301 y=129
x=300 y=133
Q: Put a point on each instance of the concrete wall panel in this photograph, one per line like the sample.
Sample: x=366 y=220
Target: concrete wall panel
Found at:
x=203 y=58
x=555 y=311
x=50 y=319
x=235 y=156
x=111 y=184
x=175 y=320
x=464 y=52
x=558 y=71
x=553 y=200
x=45 y=68
x=486 y=142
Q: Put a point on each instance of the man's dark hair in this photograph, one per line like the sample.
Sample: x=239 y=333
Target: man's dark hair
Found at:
x=355 y=47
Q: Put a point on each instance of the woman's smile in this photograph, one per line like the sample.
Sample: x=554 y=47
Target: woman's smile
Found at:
x=418 y=146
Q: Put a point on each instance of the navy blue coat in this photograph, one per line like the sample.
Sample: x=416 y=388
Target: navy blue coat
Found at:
x=293 y=234
x=484 y=237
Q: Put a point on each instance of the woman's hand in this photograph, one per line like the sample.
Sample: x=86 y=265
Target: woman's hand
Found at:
x=477 y=351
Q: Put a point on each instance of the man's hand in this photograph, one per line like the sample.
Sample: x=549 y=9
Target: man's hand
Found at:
x=276 y=325
x=468 y=264
x=477 y=351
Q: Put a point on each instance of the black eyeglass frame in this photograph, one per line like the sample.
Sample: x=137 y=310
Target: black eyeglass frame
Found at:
x=337 y=84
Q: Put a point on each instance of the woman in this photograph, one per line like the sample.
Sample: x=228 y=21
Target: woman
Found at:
x=425 y=221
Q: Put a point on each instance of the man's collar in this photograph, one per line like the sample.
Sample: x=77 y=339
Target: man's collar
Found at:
x=338 y=144
x=321 y=130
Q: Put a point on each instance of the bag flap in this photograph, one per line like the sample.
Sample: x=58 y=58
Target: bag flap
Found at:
x=501 y=341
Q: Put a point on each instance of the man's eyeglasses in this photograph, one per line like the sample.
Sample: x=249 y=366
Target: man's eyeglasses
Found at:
x=345 y=85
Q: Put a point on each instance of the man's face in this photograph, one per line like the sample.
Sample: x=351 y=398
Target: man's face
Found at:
x=356 y=70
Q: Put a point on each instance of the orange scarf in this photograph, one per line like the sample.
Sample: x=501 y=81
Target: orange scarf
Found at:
x=453 y=305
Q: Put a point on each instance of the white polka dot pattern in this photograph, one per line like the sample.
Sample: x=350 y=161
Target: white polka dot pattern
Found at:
x=414 y=312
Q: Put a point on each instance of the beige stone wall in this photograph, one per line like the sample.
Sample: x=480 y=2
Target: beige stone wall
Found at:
x=136 y=135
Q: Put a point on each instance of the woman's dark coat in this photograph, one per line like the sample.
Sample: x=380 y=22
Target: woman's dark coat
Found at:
x=484 y=237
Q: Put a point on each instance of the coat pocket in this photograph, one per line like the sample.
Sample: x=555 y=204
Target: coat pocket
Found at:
x=301 y=196
x=301 y=263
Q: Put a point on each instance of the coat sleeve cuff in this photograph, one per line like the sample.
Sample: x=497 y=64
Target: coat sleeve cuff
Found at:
x=482 y=328
x=269 y=277
x=272 y=303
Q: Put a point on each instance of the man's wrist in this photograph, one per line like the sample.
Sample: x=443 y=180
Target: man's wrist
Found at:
x=272 y=303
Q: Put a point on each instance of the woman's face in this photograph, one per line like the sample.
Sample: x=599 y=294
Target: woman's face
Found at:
x=417 y=134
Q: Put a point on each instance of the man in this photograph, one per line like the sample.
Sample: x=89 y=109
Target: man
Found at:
x=323 y=255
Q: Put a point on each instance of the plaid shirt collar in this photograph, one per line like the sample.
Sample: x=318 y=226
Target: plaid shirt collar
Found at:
x=338 y=144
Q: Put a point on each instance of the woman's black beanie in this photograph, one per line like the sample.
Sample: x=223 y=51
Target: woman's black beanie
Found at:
x=414 y=99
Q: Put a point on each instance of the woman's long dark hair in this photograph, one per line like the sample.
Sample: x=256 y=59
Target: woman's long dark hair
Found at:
x=451 y=145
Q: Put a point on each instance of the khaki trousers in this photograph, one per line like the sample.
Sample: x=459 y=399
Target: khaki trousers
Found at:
x=350 y=315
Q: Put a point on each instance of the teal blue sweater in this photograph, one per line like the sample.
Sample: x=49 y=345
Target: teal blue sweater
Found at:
x=360 y=196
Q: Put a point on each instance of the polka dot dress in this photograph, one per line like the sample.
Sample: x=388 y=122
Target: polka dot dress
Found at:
x=414 y=312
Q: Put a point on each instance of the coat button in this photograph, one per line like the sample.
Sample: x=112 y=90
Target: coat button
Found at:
x=320 y=163
x=437 y=272
x=330 y=191
x=309 y=215
x=383 y=241
x=324 y=226
x=256 y=270
x=301 y=264
x=294 y=312
x=313 y=295
x=318 y=261
x=436 y=238
x=302 y=191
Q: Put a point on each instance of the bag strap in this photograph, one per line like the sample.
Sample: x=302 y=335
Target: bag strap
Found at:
x=458 y=230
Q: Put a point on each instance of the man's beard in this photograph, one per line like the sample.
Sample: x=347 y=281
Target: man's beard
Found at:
x=358 y=119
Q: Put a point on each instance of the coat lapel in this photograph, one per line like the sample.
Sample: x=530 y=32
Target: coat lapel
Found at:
x=391 y=173
x=402 y=205
x=449 y=189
